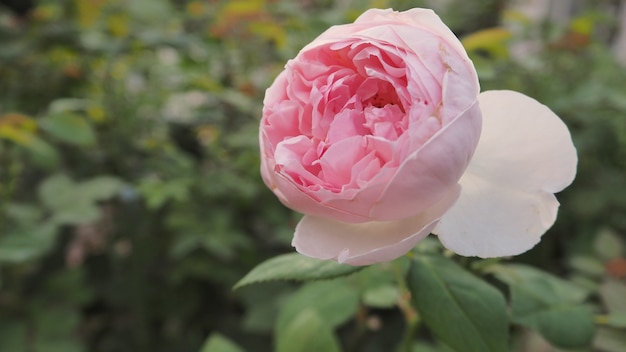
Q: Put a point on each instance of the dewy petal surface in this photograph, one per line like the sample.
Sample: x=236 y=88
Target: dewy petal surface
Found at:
x=369 y=242
x=525 y=154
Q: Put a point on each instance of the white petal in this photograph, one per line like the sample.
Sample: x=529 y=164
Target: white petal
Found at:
x=525 y=154
x=369 y=242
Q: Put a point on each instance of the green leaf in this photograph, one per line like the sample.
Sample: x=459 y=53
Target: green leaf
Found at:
x=548 y=304
x=76 y=203
x=43 y=153
x=566 y=327
x=382 y=274
x=76 y=214
x=308 y=332
x=608 y=245
x=463 y=311
x=262 y=304
x=69 y=128
x=56 y=191
x=26 y=243
x=588 y=265
x=23 y=213
x=13 y=335
x=613 y=294
x=609 y=340
x=100 y=188
x=382 y=296
x=219 y=343
x=67 y=104
x=617 y=320
x=335 y=301
x=294 y=266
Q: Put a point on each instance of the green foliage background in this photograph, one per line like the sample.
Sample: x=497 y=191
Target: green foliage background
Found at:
x=130 y=198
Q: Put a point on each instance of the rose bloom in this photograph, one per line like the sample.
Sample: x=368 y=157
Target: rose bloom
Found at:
x=378 y=133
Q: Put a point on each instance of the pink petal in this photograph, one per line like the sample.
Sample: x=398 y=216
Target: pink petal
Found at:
x=369 y=242
x=424 y=19
x=524 y=155
x=430 y=173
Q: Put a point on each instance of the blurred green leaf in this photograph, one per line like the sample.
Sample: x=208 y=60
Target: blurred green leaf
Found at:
x=613 y=294
x=382 y=274
x=335 y=301
x=56 y=191
x=385 y=296
x=99 y=188
x=617 y=320
x=609 y=340
x=263 y=303
x=427 y=347
x=589 y=265
x=24 y=213
x=63 y=105
x=490 y=40
x=308 y=332
x=608 y=245
x=157 y=192
x=26 y=243
x=218 y=343
x=43 y=153
x=548 y=304
x=295 y=266
x=150 y=11
x=463 y=311
x=76 y=203
x=13 y=335
x=69 y=128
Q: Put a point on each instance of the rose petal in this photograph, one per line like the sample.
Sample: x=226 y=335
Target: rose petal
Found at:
x=425 y=19
x=431 y=172
x=525 y=154
x=369 y=242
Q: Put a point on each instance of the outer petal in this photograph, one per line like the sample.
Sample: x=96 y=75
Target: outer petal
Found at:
x=425 y=19
x=428 y=174
x=370 y=242
x=524 y=155
x=421 y=19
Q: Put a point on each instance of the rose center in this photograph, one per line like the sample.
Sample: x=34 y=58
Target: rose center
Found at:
x=382 y=111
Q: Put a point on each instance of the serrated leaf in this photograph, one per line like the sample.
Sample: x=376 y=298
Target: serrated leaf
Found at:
x=218 y=343
x=548 y=304
x=308 y=332
x=294 y=266
x=335 y=301
x=463 y=311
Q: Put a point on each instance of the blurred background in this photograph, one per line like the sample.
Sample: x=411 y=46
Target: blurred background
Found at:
x=130 y=197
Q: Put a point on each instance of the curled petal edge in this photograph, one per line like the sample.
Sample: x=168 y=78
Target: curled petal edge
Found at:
x=525 y=154
x=369 y=242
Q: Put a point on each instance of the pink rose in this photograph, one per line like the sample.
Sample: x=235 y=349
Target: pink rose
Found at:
x=371 y=132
